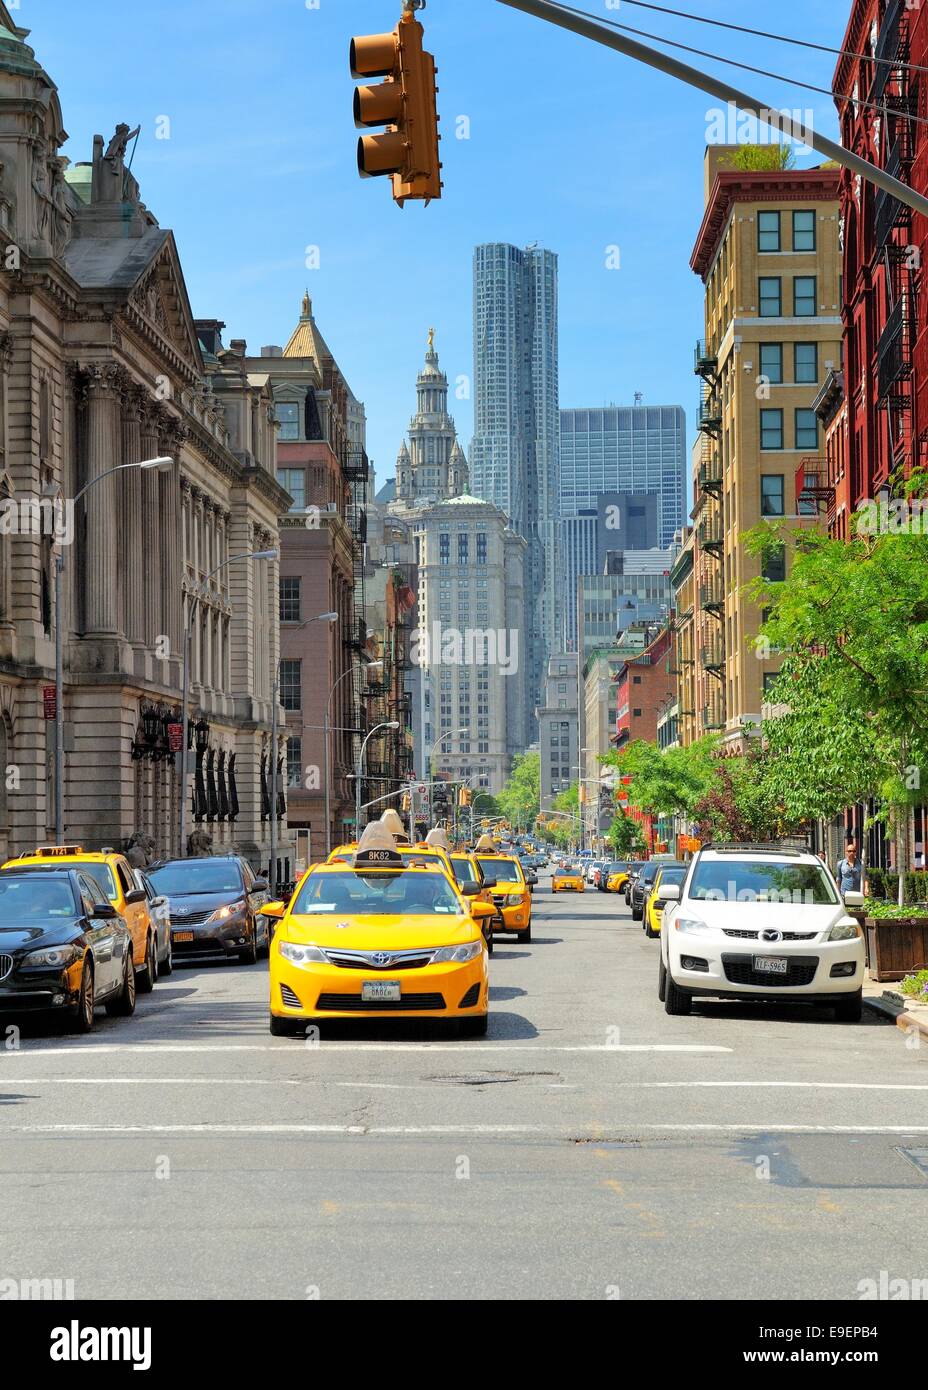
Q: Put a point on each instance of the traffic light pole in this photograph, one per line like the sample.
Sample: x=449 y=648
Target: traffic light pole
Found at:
x=694 y=77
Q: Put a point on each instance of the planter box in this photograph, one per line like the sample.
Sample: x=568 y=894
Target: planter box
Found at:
x=896 y=947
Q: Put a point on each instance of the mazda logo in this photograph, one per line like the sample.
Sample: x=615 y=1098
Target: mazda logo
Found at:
x=771 y=936
x=381 y=959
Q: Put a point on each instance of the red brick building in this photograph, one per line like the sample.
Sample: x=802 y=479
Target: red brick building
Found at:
x=643 y=686
x=885 y=321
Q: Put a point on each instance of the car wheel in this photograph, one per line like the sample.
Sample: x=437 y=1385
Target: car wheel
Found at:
x=166 y=967
x=249 y=954
x=850 y=1010
x=148 y=974
x=525 y=935
x=286 y=1027
x=651 y=935
x=123 y=1006
x=676 y=1001
x=474 y=1027
x=662 y=981
x=83 y=1018
x=636 y=914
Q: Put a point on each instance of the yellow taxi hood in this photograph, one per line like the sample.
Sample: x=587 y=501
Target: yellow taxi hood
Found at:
x=331 y=929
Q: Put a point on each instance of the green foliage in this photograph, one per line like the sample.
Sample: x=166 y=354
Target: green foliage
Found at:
x=888 y=912
x=743 y=802
x=916 y=986
x=759 y=158
x=520 y=798
x=667 y=783
x=624 y=837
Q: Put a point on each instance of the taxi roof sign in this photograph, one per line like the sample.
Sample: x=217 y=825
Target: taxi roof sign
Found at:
x=394 y=825
x=486 y=845
x=438 y=838
x=56 y=851
x=377 y=846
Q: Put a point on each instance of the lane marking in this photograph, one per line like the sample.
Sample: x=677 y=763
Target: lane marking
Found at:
x=284 y=1049
x=624 y=1134
x=409 y=1086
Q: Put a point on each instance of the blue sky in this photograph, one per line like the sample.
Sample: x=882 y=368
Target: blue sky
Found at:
x=570 y=145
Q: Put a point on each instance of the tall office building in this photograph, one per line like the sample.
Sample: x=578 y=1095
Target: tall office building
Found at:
x=514 y=454
x=635 y=449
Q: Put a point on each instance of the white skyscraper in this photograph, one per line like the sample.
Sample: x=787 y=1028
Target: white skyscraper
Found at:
x=514 y=454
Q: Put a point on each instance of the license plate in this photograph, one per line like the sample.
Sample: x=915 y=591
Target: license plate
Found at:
x=771 y=965
x=183 y=935
x=372 y=991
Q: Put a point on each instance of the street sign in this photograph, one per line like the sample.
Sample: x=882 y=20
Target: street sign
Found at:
x=50 y=701
x=175 y=737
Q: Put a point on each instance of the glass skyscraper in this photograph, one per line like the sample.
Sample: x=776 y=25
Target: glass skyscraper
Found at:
x=514 y=453
x=634 y=449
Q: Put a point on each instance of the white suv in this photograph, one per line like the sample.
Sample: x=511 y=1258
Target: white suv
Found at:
x=757 y=922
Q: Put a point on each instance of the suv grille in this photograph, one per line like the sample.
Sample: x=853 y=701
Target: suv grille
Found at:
x=191 y=919
x=784 y=936
x=353 y=1003
x=6 y=966
x=740 y=971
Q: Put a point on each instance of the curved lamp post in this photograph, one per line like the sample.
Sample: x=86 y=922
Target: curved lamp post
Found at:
x=326 y=727
x=155 y=465
x=359 y=777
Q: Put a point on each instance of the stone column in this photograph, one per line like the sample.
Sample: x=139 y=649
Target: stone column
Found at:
x=152 y=615
x=169 y=491
x=103 y=445
x=133 y=528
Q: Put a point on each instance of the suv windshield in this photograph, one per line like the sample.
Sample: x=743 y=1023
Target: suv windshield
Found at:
x=503 y=870
x=198 y=876
x=360 y=894
x=746 y=880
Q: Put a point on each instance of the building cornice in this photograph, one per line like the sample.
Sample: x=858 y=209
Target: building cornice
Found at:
x=739 y=186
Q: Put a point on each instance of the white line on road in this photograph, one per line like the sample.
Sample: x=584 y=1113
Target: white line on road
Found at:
x=396 y=1086
x=629 y=1130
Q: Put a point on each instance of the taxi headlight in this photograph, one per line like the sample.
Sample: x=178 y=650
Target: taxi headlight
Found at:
x=222 y=914
x=691 y=924
x=53 y=958
x=513 y=900
x=844 y=931
x=458 y=954
x=302 y=955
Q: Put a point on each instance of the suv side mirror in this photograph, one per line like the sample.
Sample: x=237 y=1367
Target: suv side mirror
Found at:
x=670 y=894
x=489 y=883
x=105 y=910
x=854 y=899
x=260 y=885
x=138 y=895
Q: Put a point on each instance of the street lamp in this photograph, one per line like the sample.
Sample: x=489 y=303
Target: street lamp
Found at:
x=392 y=724
x=155 y=465
x=451 y=733
x=185 y=696
x=370 y=666
x=275 y=700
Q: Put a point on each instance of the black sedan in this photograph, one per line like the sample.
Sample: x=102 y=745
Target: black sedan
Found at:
x=61 y=949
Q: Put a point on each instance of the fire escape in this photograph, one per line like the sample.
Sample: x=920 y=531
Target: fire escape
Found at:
x=893 y=232
x=356 y=471
x=711 y=540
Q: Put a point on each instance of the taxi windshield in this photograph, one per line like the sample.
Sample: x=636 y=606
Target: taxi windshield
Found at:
x=423 y=856
x=102 y=874
x=464 y=871
x=503 y=870
x=376 y=892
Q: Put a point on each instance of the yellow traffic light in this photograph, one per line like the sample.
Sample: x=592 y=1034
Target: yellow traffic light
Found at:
x=464 y=797
x=407 y=801
x=406 y=103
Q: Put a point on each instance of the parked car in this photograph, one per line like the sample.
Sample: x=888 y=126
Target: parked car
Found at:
x=634 y=869
x=119 y=886
x=159 y=909
x=215 y=905
x=641 y=887
x=63 y=947
x=614 y=876
x=654 y=907
x=761 y=923
x=592 y=870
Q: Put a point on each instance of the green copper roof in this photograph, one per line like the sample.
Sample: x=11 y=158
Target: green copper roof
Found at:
x=15 y=53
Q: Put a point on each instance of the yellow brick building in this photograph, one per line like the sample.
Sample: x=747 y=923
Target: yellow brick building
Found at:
x=768 y=255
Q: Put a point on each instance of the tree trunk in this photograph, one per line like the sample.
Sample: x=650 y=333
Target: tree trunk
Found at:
x=902 y=849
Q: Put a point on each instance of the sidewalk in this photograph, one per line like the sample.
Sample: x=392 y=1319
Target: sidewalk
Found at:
x=908 y=1015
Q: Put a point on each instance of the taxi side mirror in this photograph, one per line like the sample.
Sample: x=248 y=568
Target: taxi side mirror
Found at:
x=670 y=894
x=275 y=910
x=489 y=883
x=470 y=890
x=480 y=910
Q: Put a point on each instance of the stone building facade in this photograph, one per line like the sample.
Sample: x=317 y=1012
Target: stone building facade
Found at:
x=100 y=366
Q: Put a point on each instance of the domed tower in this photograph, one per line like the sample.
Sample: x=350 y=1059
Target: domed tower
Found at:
x=404 y=491
x=432 y=435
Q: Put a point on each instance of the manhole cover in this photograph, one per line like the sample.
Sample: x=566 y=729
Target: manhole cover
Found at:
x=493 y=1078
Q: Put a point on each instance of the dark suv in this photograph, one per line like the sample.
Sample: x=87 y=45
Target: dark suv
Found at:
x=215 y=905
x=641 y=886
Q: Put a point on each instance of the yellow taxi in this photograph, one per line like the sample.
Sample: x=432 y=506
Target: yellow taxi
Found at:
x=511 y=894
x=616 y=877
x=116 y=877
x=568 y=878
x=468 y=873
x=654 y=908
x=379 y=936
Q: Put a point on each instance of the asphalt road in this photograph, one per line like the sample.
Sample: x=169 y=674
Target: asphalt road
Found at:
x=589 y=1147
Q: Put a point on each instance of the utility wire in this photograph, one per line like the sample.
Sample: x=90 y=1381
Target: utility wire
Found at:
x=777 y=38
x=747 y=67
